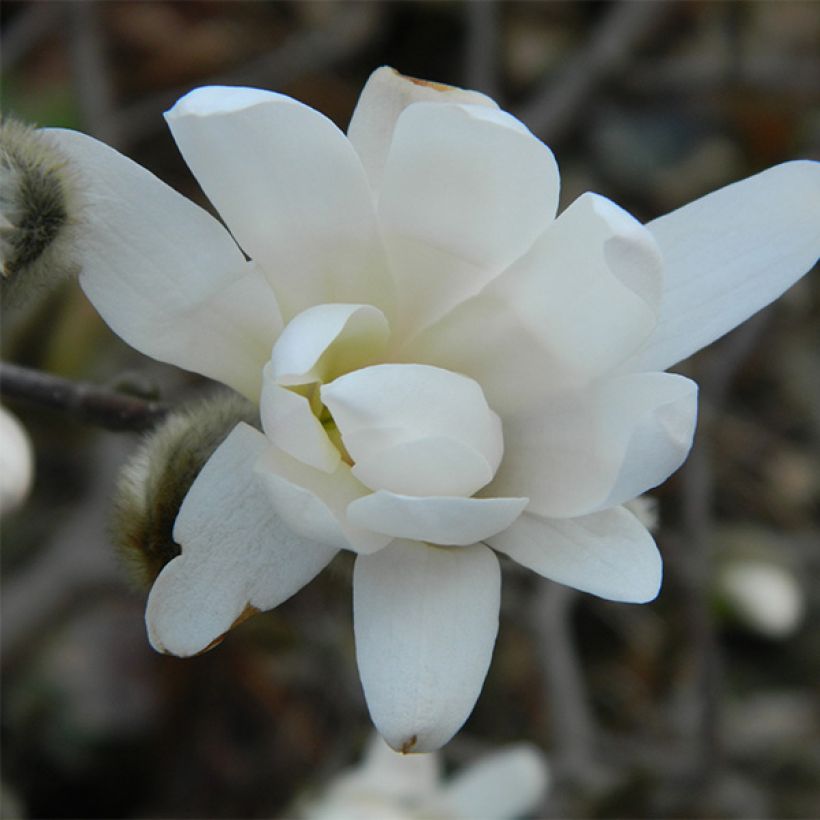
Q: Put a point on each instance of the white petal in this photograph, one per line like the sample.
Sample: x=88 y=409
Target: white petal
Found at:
x=386 y=772
x=385 y=95
x=609 y=554
x=165 y=275
x=425 y=620
x=314 y=503
x=439 y=520
x=236 y=553
x=415 y=429
x=466 y=191
x=597 y=448
x=729 y=254
x=290 y=424
x=291 y=189
x=325 y=341
x=503 y=785
x=16 y=462
x=579 y=302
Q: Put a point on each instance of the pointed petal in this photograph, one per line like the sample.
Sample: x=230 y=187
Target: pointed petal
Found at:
x=291 y=189
x=314 y=503
x=425 y=620
x=416 y=429
x=466 y=191
x=609 y=554
x=438 y=520
x=165 y=275
x=597 y=448
x=325 y=341
x=729 y=254
x=237 y=555
x=385 y=95
x=581 y=300
x=503 y=785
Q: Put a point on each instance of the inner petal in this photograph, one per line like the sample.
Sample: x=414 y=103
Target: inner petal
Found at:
x=416 y=429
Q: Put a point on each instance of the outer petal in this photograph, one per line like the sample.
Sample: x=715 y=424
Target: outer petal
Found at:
x=467 y=189
x=579 y=302
x=326 y=341
x=416 y=429
x=314 y=503
x=291 y=188
x=609 y=554
x=385 y=95
x=504 y=785
x=425 y=620
x=439 y=520
x=729 y=254
x=16 y=462
x=165 y=275
x=237 y=555
x=597 y=448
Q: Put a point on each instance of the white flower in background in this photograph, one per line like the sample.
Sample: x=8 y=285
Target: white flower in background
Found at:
x=503 y=785
x=16 y=462
x=763 y=596
x=444 y=368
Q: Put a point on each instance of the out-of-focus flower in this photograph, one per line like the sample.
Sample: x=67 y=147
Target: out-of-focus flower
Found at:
x=387 y=786
x=763 y=596
x=16 y=462
x=444 y=368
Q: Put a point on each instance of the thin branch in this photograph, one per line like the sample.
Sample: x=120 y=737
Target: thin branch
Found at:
x=553 y=110
x=86 y=403
x=482 y=46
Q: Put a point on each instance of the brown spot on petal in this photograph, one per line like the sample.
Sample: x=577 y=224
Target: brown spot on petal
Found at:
x=248 y=612
x=424 y=83
x=409 y=745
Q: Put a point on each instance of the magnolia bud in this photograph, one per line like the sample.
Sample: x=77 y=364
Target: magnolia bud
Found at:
x=154 y=482
x=39 y=212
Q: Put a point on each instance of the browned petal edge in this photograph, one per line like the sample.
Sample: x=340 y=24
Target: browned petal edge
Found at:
x=425 y=83
x=248 y=612
x=408 y=745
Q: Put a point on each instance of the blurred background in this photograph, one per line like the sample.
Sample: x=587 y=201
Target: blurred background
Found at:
x=704 y=703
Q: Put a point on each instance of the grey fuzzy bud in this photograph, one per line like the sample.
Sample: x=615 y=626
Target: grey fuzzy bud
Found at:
x=39 y=212
x=155 y=481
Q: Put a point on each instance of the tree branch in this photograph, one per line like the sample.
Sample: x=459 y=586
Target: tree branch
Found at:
x=86 y=403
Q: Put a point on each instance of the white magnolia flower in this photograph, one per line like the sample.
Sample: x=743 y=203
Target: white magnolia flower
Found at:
x=16 y=462
x=389 y=786
x=445 y=369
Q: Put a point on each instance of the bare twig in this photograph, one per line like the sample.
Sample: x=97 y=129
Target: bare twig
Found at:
x=553 y=109
x=572 y=723
x=481 y=54
x=85 y=402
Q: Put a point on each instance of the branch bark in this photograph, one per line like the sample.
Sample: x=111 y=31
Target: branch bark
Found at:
x=86 y=403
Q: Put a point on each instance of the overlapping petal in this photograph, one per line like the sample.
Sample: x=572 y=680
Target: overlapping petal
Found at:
x=237 y=554
x=416 y=429
x=438 y=519
x=314 y=503
x=466 y=191
x=609 y=554
x=592 y=449
x=425 y=620
x=292 y=190
x=165 y=275
x=729 y=254
x=579 y=302
x=385 y=95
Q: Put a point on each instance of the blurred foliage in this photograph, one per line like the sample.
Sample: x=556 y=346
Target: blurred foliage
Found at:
x=96 y=725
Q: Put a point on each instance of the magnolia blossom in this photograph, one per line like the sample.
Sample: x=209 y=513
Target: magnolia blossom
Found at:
x=386 y=786
x=445 y=369
x=16 y=462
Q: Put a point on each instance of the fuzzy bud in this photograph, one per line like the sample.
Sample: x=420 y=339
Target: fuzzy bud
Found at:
x=155 y=481
x=39 y=213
